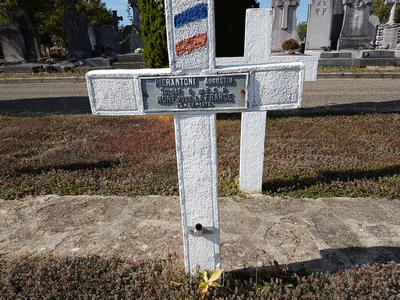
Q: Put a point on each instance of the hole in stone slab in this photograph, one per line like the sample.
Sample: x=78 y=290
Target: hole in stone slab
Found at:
x=243 y=93
x=199 y=228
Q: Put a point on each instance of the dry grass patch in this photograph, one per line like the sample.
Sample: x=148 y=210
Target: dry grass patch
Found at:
x=304 y=157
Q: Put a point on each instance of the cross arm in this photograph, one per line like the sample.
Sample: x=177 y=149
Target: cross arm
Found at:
x=268 y=87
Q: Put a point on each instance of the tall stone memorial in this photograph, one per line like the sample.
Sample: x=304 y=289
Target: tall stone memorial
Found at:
x=193 y=89
x=285 y=22
x=76 y=26
x=355 y=24
x=20 y=19
x=319 y=24
x=136 y=40
x=12 y=43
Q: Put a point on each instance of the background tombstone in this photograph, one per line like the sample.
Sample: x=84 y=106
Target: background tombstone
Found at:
x=12 y=43
x=373 y=23
x=337 y=22
x=285 y=23
x=115 y=19
x=319 y=24
x=20 y=19
x=131 y=34
x=355 y=24
x=109 y=38
x=76 y=26
x=136 y=40
x=388 y=35
x=132 y=39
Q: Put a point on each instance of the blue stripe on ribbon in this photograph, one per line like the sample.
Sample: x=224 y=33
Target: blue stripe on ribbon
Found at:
x=200 y=11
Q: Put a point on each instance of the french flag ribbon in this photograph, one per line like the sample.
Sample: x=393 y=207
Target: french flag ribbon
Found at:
x=184 y=19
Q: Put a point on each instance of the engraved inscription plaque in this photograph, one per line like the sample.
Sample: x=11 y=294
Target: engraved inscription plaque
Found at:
x=193 y=93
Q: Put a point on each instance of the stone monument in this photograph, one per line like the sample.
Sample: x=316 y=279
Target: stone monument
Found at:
x=355 y=24
x=194 y=90
x=115 y=19
x=136 y=40
x=285 y=22
x=388 y=35
x=103 y=39
x=319 y=24
x=12 y=43
x=20 y=19
x=76 y=26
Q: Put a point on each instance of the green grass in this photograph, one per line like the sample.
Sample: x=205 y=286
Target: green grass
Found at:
x=320 y=70
x=377 y=69
x=43 y=74
x=352 y=156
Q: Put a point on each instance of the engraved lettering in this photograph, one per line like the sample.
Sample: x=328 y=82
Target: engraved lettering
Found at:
x=173 y=93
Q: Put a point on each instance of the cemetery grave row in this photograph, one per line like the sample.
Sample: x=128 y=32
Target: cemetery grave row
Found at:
x=331 y=25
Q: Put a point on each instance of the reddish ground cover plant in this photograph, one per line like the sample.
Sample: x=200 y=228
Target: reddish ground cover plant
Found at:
x=304 y=156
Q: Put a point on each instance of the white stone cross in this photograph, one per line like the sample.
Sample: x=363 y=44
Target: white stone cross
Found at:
x=193 y=89
x=258 y=51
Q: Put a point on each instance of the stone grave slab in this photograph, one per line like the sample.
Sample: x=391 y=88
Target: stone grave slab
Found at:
x=319 y=24
x=285 y=23
x=355 y=24
x=27 y=30
x=76 y=26
x=12 y=43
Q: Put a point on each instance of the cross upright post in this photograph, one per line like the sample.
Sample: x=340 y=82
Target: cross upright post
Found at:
x=258 y=51
x=194 y=90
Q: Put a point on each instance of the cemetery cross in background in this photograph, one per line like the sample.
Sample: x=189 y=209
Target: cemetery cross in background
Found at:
x=193 y=89
x=257 y=50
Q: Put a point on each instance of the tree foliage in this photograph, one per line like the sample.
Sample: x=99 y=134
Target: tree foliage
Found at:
x=382 y=11
x=153 y=32
x=47 y=15
x=302 y=30
x=229 y=26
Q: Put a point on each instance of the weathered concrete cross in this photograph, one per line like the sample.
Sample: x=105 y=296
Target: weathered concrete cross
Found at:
x=193 y=89
x=115 y=19
x=258 y=51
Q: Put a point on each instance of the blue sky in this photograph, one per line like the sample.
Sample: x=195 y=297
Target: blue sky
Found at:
x=121 y=5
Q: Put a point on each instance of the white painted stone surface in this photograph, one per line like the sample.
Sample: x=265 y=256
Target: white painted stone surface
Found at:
x=270 y=86
x=257 y=51
x=252 y=151
x=199 y=59
x=196 y=149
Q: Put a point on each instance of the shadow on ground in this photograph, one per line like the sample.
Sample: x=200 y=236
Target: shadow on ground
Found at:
x=328 y=177
x=81 y=105
x=342 y=109
x=45 y=106
x=333 y=260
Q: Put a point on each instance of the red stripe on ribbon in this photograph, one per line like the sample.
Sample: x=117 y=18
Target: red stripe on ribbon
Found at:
x=190 y=44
